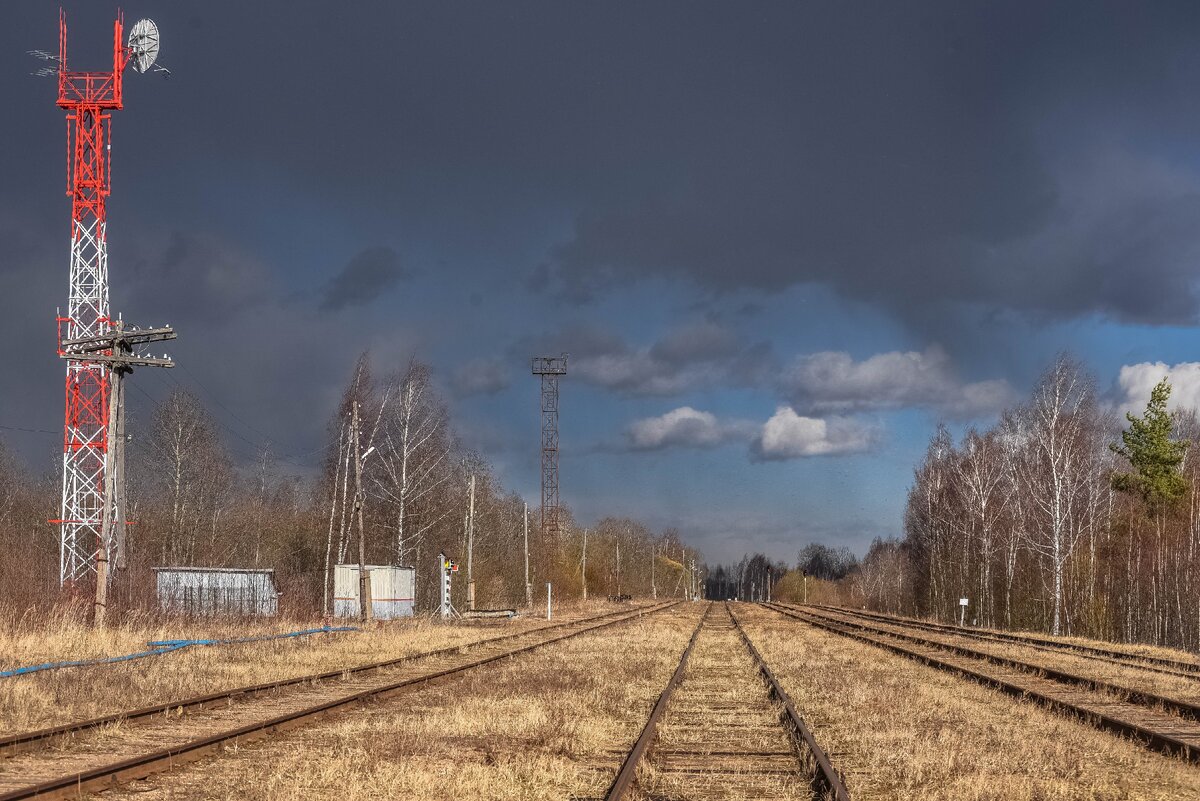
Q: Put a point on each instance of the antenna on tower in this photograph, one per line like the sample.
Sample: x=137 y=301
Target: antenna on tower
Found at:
x=45 y=72
x=143 y=47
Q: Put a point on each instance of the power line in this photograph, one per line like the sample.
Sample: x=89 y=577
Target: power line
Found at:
x=30 y=430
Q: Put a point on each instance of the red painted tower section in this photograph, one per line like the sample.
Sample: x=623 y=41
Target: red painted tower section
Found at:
x=87 y=97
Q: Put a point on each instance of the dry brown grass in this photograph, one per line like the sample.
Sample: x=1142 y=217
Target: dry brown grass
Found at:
x=551 y=724
x=901 y=730
x=53 y=697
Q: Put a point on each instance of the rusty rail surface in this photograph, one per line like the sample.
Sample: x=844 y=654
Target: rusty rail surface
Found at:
x=827 y=783
x=1155 y=664
x=1153 y=738
x=628 y=772
x=103 y=777
x=24 y=741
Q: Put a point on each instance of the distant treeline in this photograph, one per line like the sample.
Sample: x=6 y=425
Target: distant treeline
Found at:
x=757 y=578
x=193 y=503
x=1063 y=518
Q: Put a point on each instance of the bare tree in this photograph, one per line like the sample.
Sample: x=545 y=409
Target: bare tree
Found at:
x=413 y=457
x=1062 y=424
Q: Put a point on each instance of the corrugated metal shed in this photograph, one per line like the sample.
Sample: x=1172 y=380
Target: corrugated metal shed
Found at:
x=217 y=590
x=393 y=590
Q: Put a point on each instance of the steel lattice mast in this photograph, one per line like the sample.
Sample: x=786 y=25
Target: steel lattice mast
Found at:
x=87 y=97
x=550 y=368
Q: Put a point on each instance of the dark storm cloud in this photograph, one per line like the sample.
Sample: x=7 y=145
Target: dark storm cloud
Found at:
x=365 y=277
x=919 y=156
x=180 y=277
x=910 y=155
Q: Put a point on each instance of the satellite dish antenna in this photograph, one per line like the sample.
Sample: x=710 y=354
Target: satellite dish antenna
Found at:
x=143 y=44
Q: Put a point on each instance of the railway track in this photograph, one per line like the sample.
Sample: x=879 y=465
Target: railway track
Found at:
x=26 y=741
x=723 y=728
x=1163 y=724
x=1154 y=664
x=95 y=755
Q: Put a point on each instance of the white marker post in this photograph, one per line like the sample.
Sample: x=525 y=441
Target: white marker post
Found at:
x=962 y=611
x=547 y=600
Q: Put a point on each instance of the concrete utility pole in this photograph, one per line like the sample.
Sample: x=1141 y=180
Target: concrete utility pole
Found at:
x=653 y=584
x=471 y=548
x=115 y=350
x=528 y=586
x=364 y=578
x=583 y=568
x=618 y=567
x=547 y=600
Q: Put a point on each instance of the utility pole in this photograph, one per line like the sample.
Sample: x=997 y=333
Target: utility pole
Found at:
x=653 y=584
x=364 y=578
x=528 y=586
x=584 y=565
x=471 y=548
x=805 y=586
x=618 y=567
x=115 y=350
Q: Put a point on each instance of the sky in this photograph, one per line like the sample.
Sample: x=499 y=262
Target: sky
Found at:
x=781 y=241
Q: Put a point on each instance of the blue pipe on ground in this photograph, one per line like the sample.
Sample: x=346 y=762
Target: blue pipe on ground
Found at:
x=161 y=647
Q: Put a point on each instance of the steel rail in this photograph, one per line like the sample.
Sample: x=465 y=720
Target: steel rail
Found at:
x=1156 y=664
x=1152 y=738
x=827 y=783
x=106 y=776
x=25 y=741
x=1184 y=709
x=628 y=772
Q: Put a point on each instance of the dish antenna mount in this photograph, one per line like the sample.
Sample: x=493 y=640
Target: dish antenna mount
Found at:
x=143 y=45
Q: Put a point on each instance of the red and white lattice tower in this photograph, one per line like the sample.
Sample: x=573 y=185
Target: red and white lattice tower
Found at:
x=87 y=97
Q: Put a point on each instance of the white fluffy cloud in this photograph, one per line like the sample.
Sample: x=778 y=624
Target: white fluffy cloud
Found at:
x=832 y=381
x=788 y=435
x=1135 y=381
x=684 y=427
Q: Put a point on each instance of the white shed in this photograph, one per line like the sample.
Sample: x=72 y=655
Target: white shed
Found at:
x=217 y=590
x=393 y=590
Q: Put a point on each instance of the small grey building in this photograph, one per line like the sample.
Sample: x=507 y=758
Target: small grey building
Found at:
x=215 y=591
x=393 y=590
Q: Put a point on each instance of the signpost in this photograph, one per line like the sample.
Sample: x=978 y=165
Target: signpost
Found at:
x=446 y=568
x=962 y=611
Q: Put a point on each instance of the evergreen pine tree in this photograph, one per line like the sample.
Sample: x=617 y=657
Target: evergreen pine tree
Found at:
x=1154 y=456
